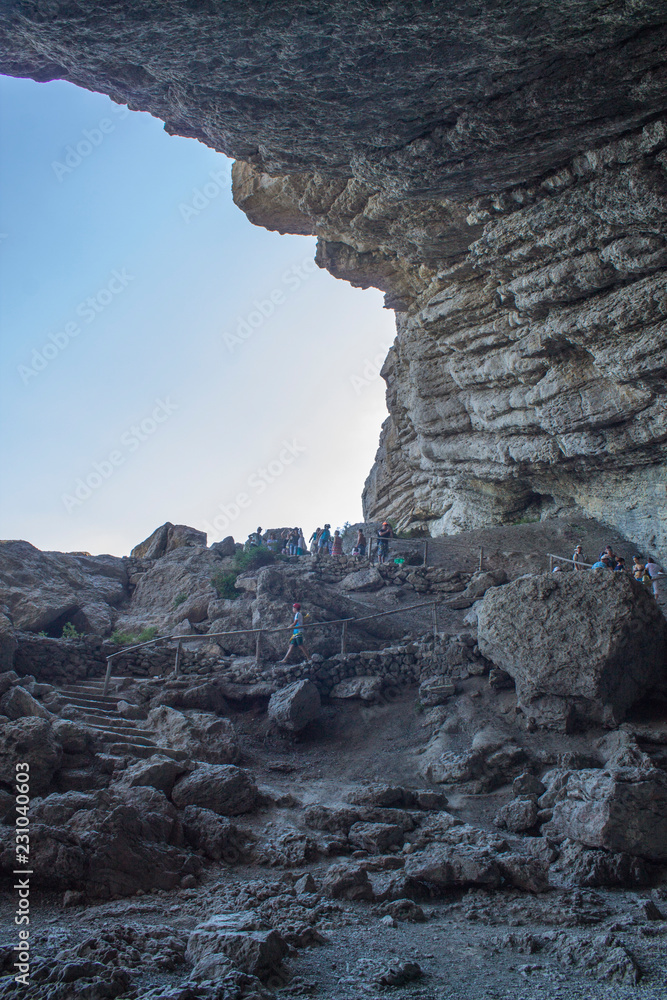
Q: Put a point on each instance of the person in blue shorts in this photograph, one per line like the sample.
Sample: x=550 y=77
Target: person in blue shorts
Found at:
x=296 y=638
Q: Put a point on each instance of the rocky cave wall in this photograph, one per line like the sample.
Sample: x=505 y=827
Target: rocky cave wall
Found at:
x=499 y=170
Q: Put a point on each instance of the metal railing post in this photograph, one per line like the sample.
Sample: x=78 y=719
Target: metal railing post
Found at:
x=258 y=643
x=177 y=664
x=107 y=676
x=343 y=638
x=435 y=622
x=425 y=562
x=551 y=564
x=481 y=559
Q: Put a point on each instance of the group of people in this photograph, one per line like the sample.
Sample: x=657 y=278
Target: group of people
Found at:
x=645 y=571
x=292 y=542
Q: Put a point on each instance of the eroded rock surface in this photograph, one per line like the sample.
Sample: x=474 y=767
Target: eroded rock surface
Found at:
x=500 y=173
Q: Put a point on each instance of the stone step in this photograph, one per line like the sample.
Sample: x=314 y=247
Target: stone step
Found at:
x=108 y=704
x=122 y=736
x=123 y=749
x=119 y=727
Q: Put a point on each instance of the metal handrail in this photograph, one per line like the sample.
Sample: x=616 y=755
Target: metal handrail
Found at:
x=576 y=562
x=180 y=639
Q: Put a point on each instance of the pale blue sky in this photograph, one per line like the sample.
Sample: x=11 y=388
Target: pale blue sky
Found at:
x=128 y=396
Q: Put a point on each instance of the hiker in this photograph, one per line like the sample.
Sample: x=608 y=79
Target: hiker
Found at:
x=602 y=563
x=360 y=545
x=324 y=539
x=313 y=540
x=383 y=535
x=337 y=544
x=638 y=568
x=272 y=542
x=620 y=565
x=578 y=558
x=653 y=571
x=296 y=639
x=301 y=544
x=284 y=537
x=293 y=541
x=608 y=553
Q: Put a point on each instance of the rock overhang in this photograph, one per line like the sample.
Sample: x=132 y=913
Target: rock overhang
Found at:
x=500 y=174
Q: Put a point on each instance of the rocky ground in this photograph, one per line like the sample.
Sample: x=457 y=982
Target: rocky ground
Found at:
x=483 y=813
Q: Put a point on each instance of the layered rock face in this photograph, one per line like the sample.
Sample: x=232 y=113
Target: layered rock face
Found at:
x=501 y=172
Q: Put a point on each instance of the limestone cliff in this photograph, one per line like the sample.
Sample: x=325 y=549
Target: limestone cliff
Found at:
x=500 y=170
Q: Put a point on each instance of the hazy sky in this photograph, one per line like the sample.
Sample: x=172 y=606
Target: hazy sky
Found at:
x=163 y=359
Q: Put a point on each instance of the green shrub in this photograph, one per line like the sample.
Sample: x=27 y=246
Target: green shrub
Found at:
x=70 y=632
x=180 y=599
x=254 y=558
x=132 y=638
x=43 y=634
x=224 y=585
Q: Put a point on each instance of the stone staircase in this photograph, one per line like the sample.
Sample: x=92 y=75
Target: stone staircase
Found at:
x=99 y=712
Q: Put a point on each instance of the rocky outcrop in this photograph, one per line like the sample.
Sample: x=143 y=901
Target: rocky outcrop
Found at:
x=581 y=647
x=43 y=591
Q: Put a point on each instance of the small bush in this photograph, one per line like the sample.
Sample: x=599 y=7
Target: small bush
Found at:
x=70 y=632
x=132 y=638
x=224 y=585
x=255 y=558
x=180 y=599
x=43 y=634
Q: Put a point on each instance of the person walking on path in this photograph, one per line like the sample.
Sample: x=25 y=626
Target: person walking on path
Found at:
x=384 y=534
x=578 y=558
x=301 y=544
x=313 y=540
x=296 y=641
x=620 y=565
x=654 y=572
x=337 y=544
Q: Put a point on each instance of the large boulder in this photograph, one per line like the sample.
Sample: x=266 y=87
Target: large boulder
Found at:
x=157 y=772
x=242 y=939
x=581 y=647
x=224 y=789
x=29 y=740
x=294 y=706
x=622 y=810
x=166 y=538
x=202 y=735
x=457 y=866
x=18 y=703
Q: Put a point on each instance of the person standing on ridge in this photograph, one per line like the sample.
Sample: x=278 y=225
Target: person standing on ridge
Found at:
x=384 y=534
x=324 y=539
x=296 y=639
x=337 y=544
x=578 y=558
x=360 y=547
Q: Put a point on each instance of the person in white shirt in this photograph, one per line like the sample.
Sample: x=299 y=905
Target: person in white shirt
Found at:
x=654 y=572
